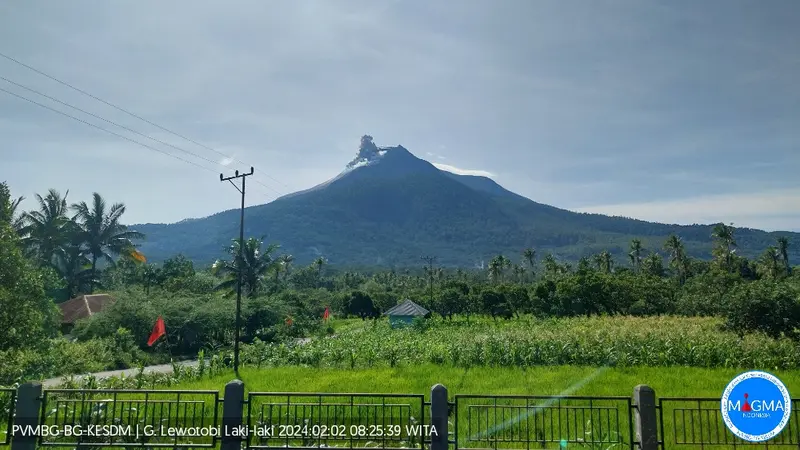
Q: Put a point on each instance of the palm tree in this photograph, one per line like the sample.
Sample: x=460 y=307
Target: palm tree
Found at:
x=285 y=262
x=783 y=249
x=255 y=265
x=653 y=265
x=770 y=262
x=726 y=244
x=530 y=257
x=551 y=266
x=72 y=263
x=519 y=272
x=678 y=258
x=318 y=263
x=102 y=232
x=495 y=268
x=636 y=254
x=17 y=220
x=45 y=231
x=604 y=261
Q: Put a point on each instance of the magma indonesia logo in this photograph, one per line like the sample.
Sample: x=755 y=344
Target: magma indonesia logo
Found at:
x=756 y=406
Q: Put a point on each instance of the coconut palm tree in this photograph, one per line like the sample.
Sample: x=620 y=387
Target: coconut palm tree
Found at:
x=72 y=262
x=636 y=254
x=783 y=249
x=45 y=231
x=770 y=262
x=604 y=261
x=285 y=262
x=725 y=244
x=530 y=257
x=103 y=234
x=255 y=264
x=318 y=263
x=678 y=259
x=551 y=266
x=653 y=265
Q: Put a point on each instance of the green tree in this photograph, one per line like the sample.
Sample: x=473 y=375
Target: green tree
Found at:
x=102 y=232
x=604 y=261
x=27 y=316
x=679 y=262
x=635 y=255
x=319 y=263
x=783 y=249
x=769 y=263
x=255 y=265
x=724 y=245
x=46 y=230
x=529 y=255
x=653 y=265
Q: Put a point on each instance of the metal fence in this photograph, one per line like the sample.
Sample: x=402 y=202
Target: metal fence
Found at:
x=128 y=418
x=696 y=422
x=7 y=404
x=313 y=420
x=511 y=421
x=74 y=418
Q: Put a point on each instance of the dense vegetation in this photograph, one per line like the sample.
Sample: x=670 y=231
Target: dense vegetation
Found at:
x=389 y=213
x=530 y=342
x=548 y=307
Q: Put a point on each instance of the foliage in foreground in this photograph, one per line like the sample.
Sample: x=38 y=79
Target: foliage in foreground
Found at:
x=596 y=341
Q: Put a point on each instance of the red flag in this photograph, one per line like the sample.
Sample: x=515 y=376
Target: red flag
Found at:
x=326 y=314
x=158 y=330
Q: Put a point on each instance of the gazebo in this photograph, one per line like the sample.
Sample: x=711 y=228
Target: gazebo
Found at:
x=404 y=313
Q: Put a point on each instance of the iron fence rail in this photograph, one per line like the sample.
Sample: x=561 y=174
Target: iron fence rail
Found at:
x=696 y=422
x=129 y=418
x=313 y=420
x=273 y=420
x=8 y=398
x=516 y=421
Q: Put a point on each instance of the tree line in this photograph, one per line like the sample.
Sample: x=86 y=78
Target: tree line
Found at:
x=81 y=246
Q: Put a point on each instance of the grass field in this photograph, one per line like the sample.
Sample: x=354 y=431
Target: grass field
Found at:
x=554 y=380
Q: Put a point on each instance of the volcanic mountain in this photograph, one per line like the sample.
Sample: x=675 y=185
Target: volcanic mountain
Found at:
x=388 y=207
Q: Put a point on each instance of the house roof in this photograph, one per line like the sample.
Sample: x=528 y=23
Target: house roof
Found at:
x=84 y=306
x=407 y=308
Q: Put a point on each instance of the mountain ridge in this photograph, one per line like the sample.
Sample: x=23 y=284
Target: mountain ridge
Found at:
x=388 y=207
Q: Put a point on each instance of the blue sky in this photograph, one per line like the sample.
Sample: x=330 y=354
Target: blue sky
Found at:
x=678 y=111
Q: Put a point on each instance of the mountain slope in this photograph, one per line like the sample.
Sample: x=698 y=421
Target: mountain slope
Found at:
x=389 y=207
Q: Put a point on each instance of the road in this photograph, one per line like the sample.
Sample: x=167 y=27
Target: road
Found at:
x=161 y=368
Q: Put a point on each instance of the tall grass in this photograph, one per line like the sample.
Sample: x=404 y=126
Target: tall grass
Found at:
x=527 y=342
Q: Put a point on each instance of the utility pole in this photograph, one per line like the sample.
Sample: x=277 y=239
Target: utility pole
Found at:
x=430 y=260
x=239 y=265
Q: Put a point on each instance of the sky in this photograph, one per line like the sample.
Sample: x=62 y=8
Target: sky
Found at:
x=678 y=112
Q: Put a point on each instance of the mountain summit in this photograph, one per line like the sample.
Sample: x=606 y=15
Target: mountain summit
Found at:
x=388 y=207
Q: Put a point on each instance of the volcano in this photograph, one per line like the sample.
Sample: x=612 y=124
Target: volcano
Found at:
x=388 y=207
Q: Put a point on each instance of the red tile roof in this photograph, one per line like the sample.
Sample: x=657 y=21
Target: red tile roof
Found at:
x=84 y=306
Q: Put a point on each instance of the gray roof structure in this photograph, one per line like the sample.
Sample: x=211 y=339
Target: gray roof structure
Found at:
x=407 y=308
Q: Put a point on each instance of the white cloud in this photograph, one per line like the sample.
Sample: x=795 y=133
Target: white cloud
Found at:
x=459 y=171
x=771 y=210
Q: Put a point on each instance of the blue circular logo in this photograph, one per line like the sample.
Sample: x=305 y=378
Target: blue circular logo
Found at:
x=756 y=406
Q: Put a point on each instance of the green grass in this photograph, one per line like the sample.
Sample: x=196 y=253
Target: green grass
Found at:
x=553 y=380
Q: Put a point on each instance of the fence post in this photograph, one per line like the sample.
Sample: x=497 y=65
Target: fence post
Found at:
x=232 y=416
x=646 y=425
x=439 y=412
x=29 y=404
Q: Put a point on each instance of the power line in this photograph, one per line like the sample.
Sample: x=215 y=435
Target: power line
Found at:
x=106 y=130
x=121 y=126
x=64 y=83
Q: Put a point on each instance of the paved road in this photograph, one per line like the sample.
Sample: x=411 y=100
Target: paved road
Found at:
x=162 y=368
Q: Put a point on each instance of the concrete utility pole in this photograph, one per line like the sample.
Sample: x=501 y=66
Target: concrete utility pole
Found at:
x=239 y=265
x=430 y=260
